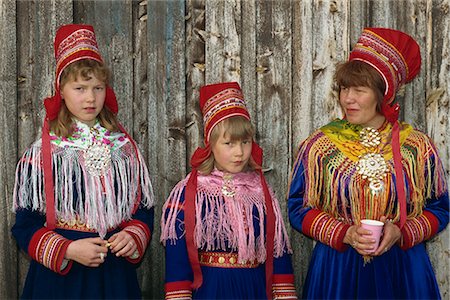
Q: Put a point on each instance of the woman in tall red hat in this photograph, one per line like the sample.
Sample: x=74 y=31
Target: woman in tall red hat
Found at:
x=222 y=227
x=369 y=165
x=83 y=197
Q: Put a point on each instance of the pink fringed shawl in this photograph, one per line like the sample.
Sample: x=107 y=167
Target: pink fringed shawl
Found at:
x=224 y=223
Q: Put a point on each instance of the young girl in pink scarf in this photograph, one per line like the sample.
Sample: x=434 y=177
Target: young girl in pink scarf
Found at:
x=222 y=227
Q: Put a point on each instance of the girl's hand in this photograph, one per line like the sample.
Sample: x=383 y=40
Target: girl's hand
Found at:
x=122 y=244
x=391 y=234
x=90 y=252
x=359 y=238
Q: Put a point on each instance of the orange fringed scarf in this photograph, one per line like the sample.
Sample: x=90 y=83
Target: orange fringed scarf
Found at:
x=330 y=157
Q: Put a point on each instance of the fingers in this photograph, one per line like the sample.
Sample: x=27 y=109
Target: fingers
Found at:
x=128 y=249
x=362 y=243
x=122 y=244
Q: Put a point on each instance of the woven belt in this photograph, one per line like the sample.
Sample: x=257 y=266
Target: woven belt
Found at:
x=224 y=260
x=74 y=224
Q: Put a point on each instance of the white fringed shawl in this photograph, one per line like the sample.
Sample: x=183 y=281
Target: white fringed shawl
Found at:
x=102 y=202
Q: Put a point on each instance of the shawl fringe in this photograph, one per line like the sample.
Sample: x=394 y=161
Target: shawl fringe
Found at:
x=333 y=184
x=226 y=223
x=102 y=202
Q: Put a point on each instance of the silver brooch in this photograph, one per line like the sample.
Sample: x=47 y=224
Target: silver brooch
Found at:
x=372 y=166
x=228 y=189
x=97 y=158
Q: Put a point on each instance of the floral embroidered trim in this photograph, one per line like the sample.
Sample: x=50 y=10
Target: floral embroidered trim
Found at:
x=48 y=248
x=83 y=137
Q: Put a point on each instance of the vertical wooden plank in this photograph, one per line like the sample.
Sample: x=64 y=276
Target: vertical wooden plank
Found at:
x=274 y=39
x=166 y=113
x=223 y=60
x=38 y=21
x=8 y=149
x=140 y=75
x=195 y=70
x=249 y=69
x=114 y=31
x=438 y=120
x=140 y=119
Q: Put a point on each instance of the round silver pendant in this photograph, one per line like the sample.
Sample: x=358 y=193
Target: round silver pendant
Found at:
x=373 y=167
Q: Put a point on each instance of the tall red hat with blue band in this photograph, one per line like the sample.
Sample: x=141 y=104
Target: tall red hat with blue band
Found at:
x=73 y=42
x=219 y=102
x=396 y=57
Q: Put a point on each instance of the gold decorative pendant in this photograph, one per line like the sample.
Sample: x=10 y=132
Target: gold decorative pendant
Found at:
x=228 y=189
x=97 y=158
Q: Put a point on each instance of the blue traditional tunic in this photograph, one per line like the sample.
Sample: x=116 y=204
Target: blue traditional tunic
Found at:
x=328 y=193
x=89 y=202
x=230 y=237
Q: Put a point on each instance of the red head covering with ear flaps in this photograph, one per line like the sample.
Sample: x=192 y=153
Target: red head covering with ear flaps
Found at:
x=396 y=57
x=74 y=42
x=219 y=102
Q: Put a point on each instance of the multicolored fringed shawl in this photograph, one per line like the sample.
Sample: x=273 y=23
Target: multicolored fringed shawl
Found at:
x=101 y=201
x=225 y=212
x=333 y=184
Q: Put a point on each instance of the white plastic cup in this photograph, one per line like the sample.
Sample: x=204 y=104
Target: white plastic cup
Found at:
x=376 y=227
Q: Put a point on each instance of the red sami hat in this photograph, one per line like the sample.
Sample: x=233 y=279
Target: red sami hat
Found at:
x=74 y=42
x=221 y=101
x=396 y=57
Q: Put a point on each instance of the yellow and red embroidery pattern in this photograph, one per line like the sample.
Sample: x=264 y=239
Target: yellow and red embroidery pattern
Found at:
x=326 y=229
x=283 y=291
x=48 y=249
x=181 y=294
x=224 y=260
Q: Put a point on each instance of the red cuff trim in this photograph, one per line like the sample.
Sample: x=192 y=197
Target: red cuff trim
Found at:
x=434 y=223
x=178 y=290
x=283 y=278
x=48 y=248
x=326 y=229
x=419 y=229
x=141 y=235
x=283 y=287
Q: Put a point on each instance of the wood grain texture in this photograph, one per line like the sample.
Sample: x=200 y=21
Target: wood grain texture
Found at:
x=283 y=53
x=8 y=149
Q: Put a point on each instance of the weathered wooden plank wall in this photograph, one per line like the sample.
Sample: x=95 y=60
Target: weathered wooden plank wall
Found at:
x=282 y=52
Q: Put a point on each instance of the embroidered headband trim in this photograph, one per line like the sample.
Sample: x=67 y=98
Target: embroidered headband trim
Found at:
x=225 y=104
